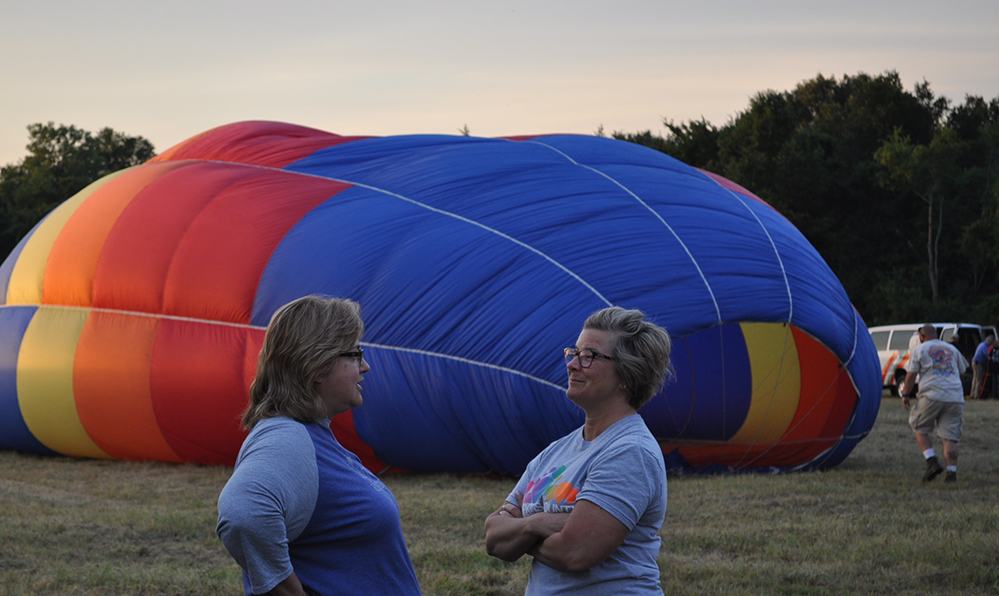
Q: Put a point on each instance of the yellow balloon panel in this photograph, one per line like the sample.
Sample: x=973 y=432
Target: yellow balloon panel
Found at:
x=773 y=358
x=45 y=381
x=28 y=277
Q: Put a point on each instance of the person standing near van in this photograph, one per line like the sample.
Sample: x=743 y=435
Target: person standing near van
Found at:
x=940 y=403
x=980 y=365
x=993 y=372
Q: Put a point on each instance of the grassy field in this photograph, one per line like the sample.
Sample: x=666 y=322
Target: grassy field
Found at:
x=870 y=526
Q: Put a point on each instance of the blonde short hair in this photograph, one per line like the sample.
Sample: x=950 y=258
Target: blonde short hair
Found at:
x=302 y=342
x=641 y=351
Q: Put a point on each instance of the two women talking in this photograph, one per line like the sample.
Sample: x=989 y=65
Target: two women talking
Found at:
x=301 y=515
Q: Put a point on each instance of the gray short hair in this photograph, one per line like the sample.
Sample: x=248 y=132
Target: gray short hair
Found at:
x=301 y=344
x=641 y=351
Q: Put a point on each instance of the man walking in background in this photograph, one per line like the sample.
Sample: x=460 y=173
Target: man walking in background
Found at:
x=940 y=403
x=980 y=365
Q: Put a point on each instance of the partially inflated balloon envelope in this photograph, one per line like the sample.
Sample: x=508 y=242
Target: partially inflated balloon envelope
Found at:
x=134 y=312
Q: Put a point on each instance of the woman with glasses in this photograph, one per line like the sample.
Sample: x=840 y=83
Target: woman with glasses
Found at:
x=589 y=507
x=300 y=514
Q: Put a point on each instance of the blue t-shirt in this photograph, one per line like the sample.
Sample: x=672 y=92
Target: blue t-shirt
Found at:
x=981 y=353
x=621 y=471
x=298 y=501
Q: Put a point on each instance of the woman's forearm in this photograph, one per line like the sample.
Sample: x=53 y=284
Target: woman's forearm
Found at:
x=589 y=536
x=291 y=586
x=509 y=537
x=555 y=553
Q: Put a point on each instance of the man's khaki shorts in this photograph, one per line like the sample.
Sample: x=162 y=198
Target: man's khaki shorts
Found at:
x=945 y=417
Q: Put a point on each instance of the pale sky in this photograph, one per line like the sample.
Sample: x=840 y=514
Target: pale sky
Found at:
x=170 y=70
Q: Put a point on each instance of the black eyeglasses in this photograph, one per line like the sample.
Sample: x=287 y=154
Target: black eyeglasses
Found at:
x=357 y=354
x=585 y=356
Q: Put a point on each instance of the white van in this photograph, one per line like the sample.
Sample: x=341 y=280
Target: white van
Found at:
x=893 y=341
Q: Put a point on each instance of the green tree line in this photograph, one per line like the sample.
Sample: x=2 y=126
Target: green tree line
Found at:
x=898 y=190
x=62 y=161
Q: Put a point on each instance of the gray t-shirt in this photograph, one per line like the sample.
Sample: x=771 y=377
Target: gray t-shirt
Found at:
x=270 y=499
x=939 y=366
x=621 y=471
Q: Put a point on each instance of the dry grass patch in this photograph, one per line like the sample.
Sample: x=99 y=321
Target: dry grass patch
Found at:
x=870 y=526
x=104 y=527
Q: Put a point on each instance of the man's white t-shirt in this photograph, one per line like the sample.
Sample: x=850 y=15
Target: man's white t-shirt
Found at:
x=939 y=366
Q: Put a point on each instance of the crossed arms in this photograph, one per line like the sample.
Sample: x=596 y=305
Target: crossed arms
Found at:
x=573 y=541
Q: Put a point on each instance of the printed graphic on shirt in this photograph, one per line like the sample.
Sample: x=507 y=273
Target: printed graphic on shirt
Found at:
x=549 y=493
x=943 y=361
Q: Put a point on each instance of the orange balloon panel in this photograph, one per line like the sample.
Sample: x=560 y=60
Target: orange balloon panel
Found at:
x=73 y=261
x=111 y=385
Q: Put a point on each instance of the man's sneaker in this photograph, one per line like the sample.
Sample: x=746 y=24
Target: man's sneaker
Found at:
x=933 y=469
x=950 y=477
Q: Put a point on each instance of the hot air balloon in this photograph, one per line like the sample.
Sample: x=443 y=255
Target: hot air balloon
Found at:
x=133 y=313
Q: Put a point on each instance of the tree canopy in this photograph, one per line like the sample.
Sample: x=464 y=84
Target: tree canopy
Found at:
x=896 y=189
x=61 y=161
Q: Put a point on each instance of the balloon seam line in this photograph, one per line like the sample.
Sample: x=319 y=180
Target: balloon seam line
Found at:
x=466 y=361
x=780 y=261
x=856 y=332
x=247 y=326
x=683 y=245
x=435 y=210
x=486 y=228
x=136 y=314
x=448 y=214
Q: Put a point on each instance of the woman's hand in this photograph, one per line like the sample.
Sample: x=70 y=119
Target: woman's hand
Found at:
x=510 y=535
x=509 y=509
